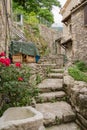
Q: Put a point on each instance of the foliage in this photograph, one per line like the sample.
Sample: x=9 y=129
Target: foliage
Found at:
x=18 y=9
x=81 y=66
x=38 y=79
x=77 y=74
x=15 y=89
x=46 y=15
x=32 y=34
x=41 y=8
x=35 y=5
x=31 y=18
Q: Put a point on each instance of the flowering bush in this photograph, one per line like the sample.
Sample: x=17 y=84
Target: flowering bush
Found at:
x=15 y=89
x=2 y=54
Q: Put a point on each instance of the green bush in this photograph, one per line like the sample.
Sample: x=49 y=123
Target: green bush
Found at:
x=81 y=66
x=15 y=89
x=77 y=74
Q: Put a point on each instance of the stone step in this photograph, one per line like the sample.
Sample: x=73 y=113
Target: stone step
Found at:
x=55 y=75
x=51 y=96
x=56 y=113
x=51 y=65
x=49 y=85
x=67 y=126
x=57 y=70
x=58 y=67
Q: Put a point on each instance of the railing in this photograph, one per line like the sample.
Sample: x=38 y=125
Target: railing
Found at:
x=17 y=31
x=44 y=21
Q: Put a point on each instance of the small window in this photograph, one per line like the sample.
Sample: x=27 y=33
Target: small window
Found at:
x=85 y=15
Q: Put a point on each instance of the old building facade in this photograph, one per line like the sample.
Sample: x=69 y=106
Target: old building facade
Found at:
x=75 y=29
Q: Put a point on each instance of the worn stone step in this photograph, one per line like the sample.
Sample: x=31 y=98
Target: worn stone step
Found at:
x=68 y=126
x=56 y=113
x=51 y=96
x=49 y=85
x=57 y=70
x=55 y=75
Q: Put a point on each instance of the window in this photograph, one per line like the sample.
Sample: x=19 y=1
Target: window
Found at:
x=85 y=15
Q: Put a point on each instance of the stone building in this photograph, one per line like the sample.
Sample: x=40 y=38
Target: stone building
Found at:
x=5 y=16
x=74 y=38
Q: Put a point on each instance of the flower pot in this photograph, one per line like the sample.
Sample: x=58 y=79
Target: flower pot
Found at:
x=21 y=118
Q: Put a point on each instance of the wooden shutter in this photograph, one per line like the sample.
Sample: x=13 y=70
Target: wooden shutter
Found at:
x=85 y=15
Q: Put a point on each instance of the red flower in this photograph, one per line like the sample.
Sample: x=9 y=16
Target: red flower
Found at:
x=20 y=79
x=2 y=60
x=17 y=64
x=5 y=61
x=2 y=54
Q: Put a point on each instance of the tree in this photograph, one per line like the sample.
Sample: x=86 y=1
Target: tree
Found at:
x=46 y=14
x=42 y=8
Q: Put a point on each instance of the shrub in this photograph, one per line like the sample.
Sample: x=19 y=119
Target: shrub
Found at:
x=77 y=74
x=15 y=89
x=81 y=66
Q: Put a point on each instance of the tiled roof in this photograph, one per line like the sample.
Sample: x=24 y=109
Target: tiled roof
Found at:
x=64 y=7
x=83 y=2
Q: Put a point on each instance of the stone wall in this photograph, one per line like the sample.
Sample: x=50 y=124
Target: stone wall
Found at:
x=37 y=71
x=44 y=66
x=75 y=29
x=79 y=35
x=66 y=11
x=53 y=59
x=2 y=29
x=66 y=32
x=50 y=36
x=40 y=71
x=4 y=25
x=69 y=52
x=77 y=94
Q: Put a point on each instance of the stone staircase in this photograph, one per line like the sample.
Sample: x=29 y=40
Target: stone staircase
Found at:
x=51 y=102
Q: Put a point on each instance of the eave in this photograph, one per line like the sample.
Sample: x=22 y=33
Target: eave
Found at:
x=66 y=42
x=84 y=2
x=66 y=18
x=59 y=39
